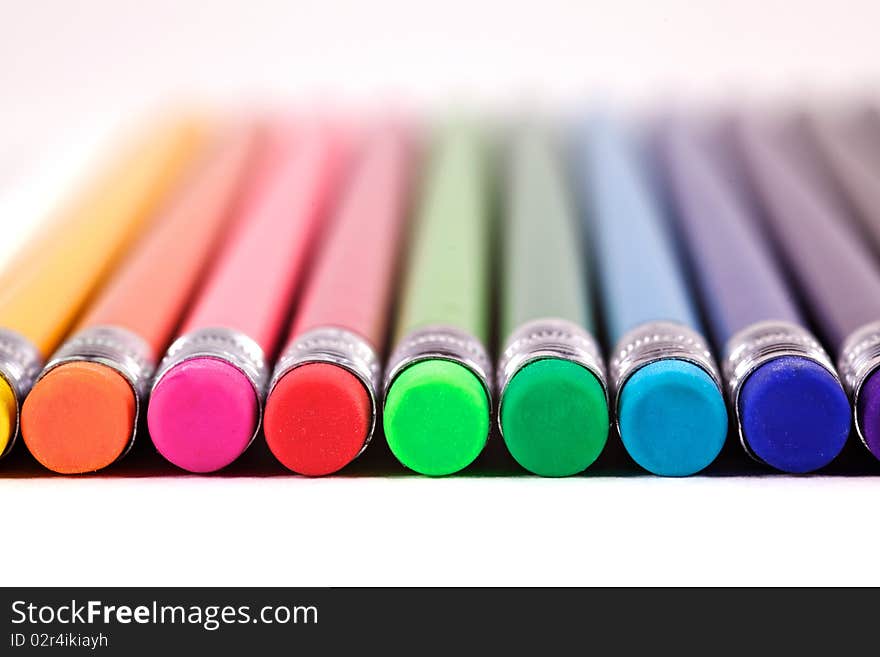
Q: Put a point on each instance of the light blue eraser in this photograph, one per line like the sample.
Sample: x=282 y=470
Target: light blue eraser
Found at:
x=672 y=418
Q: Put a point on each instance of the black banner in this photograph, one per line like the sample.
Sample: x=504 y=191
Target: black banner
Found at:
x=325 y=621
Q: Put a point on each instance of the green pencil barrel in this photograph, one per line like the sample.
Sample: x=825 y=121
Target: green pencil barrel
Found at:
x=448 y=277
x=543 y=272
x=553 y=413
x=437 y=402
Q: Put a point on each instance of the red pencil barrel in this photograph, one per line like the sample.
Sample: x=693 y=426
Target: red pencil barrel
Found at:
x=351 y=285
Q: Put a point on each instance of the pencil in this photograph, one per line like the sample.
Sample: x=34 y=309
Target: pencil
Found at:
x=791 y=410
x=437 y=381
x=82 y=414
x=845 y=144
x=58 y=271
x=834 y=268
x=553 y=413
x=321 y=409
x=206 y=403
x=669 y=405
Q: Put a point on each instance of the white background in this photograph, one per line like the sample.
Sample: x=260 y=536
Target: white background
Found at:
x=67 y=67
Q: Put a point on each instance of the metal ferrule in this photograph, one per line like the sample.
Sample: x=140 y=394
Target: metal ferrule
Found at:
x=550 y=338
x=20 y=364
x=758 y=344
x=117 y=348
x=339 y=347
x=859 y=358
x=228 y=345
x=656 y=341
x=113 y=346
x=444 y=343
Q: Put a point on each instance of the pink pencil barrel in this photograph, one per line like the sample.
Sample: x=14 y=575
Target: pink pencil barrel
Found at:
x=207 y=399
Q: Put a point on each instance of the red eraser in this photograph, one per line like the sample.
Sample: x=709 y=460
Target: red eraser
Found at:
x=318 y=418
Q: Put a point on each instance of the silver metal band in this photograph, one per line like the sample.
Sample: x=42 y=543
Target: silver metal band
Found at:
x=227 y=345
x=20 y=364
x=859 y=358
x=339 y=347
x=117 y=348
x=657 y=341
x=444 y=343
x=550 y=338
x=113 y=346
x=758 y=344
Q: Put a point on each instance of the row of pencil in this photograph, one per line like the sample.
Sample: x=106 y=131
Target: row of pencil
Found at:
x=702 y=254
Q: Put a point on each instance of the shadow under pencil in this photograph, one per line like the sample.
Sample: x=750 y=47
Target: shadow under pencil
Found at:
x=378 y=461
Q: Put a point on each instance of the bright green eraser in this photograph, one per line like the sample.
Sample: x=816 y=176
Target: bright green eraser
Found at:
x=672 y=417
x=436 y=417
x=554 y=417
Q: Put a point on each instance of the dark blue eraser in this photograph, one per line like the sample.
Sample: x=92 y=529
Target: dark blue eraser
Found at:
x=794 y=414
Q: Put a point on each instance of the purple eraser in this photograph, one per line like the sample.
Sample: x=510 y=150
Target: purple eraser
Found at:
x=869 y=413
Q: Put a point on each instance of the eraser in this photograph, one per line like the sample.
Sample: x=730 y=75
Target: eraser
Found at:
x=554 y=417
x=436 y=417
x=318 y=418
x=8 y=414
x=203 y=414
x=869 y=412
x=672 y=417
x=80 y=417
x=795 y=415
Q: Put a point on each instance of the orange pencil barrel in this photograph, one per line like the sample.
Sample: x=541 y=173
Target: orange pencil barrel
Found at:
x=57 y=274
x=82 y=413
x=151 y=291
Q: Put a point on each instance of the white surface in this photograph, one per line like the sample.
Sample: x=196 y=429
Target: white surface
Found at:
x=735 y=531
x=61 y=64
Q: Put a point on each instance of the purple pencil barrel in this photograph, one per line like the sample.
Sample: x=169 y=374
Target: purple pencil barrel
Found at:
x=835 y=271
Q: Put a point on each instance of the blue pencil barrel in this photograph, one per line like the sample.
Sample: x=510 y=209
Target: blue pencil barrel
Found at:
x=670 y=409
x=791 y=410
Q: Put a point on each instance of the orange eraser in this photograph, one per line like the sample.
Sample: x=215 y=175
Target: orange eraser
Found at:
x=80 y=417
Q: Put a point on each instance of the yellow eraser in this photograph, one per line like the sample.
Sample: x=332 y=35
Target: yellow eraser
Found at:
x=8 y=412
